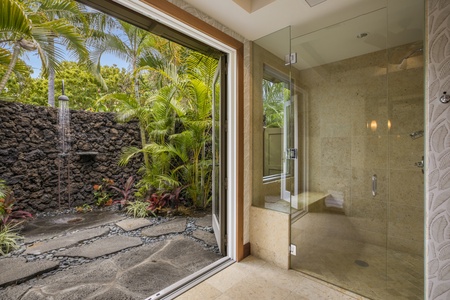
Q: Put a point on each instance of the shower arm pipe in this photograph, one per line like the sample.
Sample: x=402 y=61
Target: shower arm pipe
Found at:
x=410 y=54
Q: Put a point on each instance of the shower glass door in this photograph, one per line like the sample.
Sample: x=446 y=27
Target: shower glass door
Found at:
x=275 y=149
x=360 y=90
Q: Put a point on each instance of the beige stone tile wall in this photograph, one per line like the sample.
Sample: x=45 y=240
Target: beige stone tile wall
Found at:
x=438 y=151
x=270 y=236
x=360 y=117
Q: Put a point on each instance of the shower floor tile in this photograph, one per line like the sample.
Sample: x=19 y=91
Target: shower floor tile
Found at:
x=330 y=249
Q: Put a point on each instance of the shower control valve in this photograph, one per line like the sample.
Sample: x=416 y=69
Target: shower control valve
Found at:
x=445 y=98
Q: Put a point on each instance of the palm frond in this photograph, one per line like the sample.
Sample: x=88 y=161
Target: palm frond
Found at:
x=128 y=154
x=5 y=58
x=13 y=19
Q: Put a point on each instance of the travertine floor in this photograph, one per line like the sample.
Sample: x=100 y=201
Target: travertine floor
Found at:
x=255 y=279
x=329 y=248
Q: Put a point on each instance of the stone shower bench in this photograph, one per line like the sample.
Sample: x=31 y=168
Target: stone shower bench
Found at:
x=315 y=201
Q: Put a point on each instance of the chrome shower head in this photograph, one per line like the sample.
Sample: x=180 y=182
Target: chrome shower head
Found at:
x=402 y=64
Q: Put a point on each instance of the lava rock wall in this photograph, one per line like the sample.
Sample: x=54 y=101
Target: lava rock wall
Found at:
x=44 y=180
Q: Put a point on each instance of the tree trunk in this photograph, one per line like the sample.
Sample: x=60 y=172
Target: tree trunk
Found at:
x=144 y=142
x=51 y=77
x=11 y=65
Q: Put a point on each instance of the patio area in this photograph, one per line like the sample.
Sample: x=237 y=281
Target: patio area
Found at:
x=105 y=255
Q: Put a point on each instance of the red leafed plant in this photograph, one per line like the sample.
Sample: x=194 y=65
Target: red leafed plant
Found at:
x=8 y=214
x=125 y=191
x=170 y=199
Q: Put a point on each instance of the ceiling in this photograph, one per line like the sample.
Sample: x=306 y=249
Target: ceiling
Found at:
x=323 y=33
x=278 y=14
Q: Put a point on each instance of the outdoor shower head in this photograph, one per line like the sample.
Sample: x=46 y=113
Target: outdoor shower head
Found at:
x=402 y=65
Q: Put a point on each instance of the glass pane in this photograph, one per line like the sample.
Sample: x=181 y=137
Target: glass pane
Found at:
x=216 y=147
x=360 y=86
x=341 y=81
x=275 y=92
x=272 y=175
x=405 y=250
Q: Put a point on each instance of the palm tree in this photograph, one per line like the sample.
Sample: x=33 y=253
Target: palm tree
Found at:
x=144 y=52
x=179 y=125
x=29 y=25
x=74 y=15
x=194 y=138
x=129 y=43
x=128 y=108
x=15 y=27
x=132 y=45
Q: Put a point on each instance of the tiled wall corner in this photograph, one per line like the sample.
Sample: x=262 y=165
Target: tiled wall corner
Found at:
x=270 y=236
x=248 y=150
x=438 y=150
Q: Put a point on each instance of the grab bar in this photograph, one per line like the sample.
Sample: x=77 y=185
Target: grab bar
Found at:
x=374 y=185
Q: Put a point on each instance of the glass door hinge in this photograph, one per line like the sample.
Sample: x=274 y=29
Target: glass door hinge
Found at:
x=290 y=59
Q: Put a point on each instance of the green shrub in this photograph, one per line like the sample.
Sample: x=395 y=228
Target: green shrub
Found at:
x=8 y=238
x=138 y=209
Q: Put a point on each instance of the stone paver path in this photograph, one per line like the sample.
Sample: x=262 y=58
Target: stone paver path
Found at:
x=11 y=274
x=136 y=259
x=133 y=224
x=204 y=221
x=102 y=247
x=45 y=228
x=175 y=226
x=65 y=241
x=207 y=237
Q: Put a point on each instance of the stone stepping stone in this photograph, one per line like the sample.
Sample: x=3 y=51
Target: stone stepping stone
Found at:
x=102 y=247
x=47 y=227
x=205 y=221
x=16 y=270
x=205 y=236
x=133 y=224
x=66 y=241
x=174 y=226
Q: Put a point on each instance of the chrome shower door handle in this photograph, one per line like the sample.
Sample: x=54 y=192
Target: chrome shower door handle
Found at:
x=374 y=185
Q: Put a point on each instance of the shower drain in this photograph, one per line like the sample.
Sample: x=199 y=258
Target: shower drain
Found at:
x=361 y=263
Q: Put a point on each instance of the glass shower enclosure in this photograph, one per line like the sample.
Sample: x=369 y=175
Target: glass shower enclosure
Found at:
x=342 y=122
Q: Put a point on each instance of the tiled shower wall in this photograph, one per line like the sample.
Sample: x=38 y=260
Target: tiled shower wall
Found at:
x=438 y=148
x=359 y=119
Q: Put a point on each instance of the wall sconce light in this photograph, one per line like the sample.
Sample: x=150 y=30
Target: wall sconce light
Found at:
x=373 y=125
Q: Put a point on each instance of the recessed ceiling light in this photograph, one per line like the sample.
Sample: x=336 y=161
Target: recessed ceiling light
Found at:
x=314 y=2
